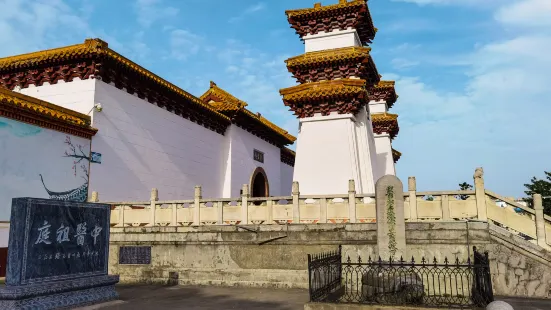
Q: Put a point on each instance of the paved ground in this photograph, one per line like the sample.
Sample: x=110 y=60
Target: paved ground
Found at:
x=146 y=297
x=195 y=298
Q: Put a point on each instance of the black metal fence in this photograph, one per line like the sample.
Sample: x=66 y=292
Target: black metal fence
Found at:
x=425 y=283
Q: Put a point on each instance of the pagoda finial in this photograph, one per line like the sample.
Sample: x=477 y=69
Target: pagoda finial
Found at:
x=212 y=84
x=317 y=5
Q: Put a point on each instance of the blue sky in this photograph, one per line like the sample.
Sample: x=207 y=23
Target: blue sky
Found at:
x=474 y=76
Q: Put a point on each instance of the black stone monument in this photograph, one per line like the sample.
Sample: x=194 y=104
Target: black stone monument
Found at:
x=58 y=255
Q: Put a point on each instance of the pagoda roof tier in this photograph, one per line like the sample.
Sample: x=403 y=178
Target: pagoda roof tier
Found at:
x=288 y=156
x=44 y=114
x=343 y=15
x=334 y=63
x=384 y=90
x=225 y=103
x=385 y=123
x=396 y=155
x=342 y=96
x=94 y=59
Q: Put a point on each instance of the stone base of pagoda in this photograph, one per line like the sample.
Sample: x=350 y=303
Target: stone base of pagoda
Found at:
x=332 y=150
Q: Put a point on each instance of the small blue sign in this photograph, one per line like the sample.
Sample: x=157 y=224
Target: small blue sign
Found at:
x=96 y=158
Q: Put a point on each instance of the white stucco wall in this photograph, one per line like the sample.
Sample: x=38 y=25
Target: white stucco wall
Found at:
x=286 y=179
x=377 y=106
x=26 y=151
x=144 y=146
x=384 y=154
x=243 y=164
x=77 y=95
x=329 y=40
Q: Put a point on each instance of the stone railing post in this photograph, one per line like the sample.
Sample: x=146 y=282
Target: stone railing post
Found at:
x=197 y=196
x=220 y=212
x=296 y=207
x=480 y=194
x=323 y=210
x=445 y=207
x=540 y=220
x=412 y=189
x=352 y=201
x=94 y=197
x=121 y=216
x=245 y=204
x=174 y=218
x=269 y=210
x=153 y=206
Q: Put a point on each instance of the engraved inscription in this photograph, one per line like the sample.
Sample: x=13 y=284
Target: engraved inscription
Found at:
x=258 y=156
x=135 y=255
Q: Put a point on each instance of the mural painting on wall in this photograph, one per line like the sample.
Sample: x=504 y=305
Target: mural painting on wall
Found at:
x=81 y=162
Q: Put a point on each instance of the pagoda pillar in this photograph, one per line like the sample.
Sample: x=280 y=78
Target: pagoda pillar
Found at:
x=382 y=97
x=335 y=141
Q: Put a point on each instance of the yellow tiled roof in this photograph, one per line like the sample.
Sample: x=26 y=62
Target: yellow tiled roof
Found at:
x=94 y=47
x=227 y=102
x=43 y=107
x=380 y=117
x=385 y=84
x=316 y=90
x=318 y=8
x=331 y=55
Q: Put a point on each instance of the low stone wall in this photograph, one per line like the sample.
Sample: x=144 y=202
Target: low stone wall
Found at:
x=276 y=255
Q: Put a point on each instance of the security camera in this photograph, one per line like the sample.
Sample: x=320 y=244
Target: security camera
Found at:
x=98 y=107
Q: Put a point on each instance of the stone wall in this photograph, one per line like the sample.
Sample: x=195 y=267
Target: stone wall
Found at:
x=230 y=255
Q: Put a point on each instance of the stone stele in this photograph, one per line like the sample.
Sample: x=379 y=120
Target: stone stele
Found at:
x=58 y=255
x=391 y=225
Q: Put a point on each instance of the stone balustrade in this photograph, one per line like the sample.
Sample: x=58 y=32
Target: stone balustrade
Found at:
x=478 y=205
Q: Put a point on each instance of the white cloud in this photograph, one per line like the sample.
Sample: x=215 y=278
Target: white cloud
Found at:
x=151 y=11
x=248 y=11
x=184 y=43
x=527 y=13
x=402 y=63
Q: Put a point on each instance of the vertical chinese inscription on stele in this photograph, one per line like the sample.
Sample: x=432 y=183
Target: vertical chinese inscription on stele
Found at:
x=64 y=242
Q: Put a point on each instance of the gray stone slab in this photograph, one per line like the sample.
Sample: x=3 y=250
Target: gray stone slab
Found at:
x=391 y=225
x=58 y=255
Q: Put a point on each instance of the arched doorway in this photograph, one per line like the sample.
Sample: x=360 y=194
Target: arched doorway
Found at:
x=259 y=183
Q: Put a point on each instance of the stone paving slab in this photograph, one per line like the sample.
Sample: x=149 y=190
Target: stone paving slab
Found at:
x=154 y=297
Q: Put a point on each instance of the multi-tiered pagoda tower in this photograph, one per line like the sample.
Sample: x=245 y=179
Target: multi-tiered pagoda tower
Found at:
x=345 y=130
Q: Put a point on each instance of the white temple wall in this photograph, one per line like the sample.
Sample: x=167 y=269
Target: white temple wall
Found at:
x=286 y=179
x=243 y=164
x=77 y=95
x=329 y=40
x=28 y=151
x=144 y=147
x=384 y=154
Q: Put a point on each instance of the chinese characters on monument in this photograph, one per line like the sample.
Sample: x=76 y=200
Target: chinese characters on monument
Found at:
x=63 y=236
